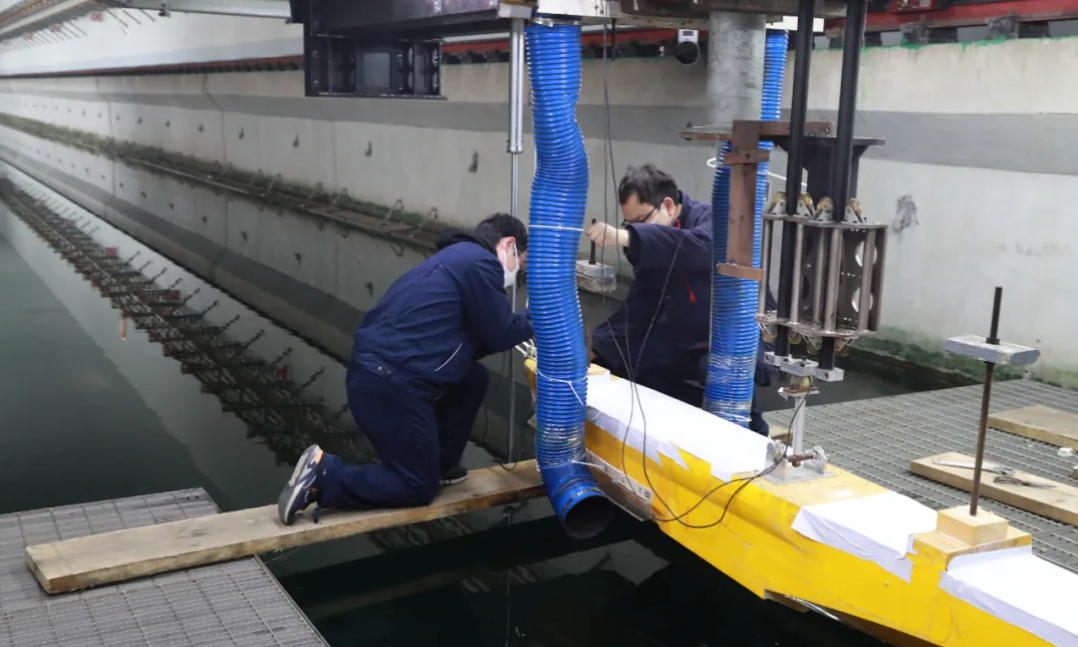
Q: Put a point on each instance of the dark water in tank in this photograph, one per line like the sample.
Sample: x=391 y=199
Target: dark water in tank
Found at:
x=88 y=415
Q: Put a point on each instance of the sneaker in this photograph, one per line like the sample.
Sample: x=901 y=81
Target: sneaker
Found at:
x=302 y=489
x=454 y=475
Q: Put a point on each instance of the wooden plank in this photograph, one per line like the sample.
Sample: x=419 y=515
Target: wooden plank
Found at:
x=768 y=130
x=1059 y=503
x=1039 y=423
x=740 y=272
x=108 y=558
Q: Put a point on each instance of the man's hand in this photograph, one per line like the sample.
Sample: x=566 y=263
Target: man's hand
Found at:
x=605 y=235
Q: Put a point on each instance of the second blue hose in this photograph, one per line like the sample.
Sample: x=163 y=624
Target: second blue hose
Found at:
x=735 y=335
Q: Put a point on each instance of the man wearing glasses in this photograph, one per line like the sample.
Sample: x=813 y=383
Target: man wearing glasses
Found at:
x=659 y=336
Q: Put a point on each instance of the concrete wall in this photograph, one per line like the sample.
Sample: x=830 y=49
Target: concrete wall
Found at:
x=383 y=150
x=980 y=142
x=302 y=273
x=978 y=148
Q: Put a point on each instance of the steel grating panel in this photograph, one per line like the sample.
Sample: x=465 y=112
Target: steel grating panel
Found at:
x=877 y=438
x=234 y=603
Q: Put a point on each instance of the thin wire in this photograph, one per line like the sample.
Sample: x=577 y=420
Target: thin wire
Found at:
x=644 y=461
x=626 y=356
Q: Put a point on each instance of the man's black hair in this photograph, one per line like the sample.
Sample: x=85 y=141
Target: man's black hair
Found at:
x=650 y=185
x=502 y=225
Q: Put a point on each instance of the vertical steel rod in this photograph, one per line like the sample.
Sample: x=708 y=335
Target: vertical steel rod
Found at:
x=765 y=258
x=993 y=338
x=515 y=148
x=842 y=161
x=516 y=104
x=795 y=164
x=847 y=105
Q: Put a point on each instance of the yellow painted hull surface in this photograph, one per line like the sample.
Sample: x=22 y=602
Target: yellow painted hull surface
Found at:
x=756 y=545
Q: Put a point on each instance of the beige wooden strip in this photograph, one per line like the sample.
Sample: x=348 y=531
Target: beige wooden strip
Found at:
x=1059 y=503
x=107 y=558
x=778 y=432
x=1039 y=423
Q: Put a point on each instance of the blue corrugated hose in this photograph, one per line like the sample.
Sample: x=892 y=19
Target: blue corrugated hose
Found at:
x=558 y=199
x=735 y=335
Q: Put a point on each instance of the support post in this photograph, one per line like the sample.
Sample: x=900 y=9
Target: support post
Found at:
x=735 y=63
x=847 y=106
x=795 y=164
x=516 y=107
x=515 y=148
x=736 y=55
x=982 y=431
x=856 y=12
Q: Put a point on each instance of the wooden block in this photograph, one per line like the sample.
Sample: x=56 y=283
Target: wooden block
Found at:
x=935 y=545
x=985 y=528
x=1039 y=423
x=1059 y=503
x=778 y=432
x=123 y=555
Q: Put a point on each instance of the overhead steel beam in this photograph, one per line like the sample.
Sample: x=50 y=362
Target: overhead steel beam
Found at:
x=246 y=8
x=40 y=20
x=278 y=9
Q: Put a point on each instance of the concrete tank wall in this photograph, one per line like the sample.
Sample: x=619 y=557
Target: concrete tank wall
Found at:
x=979 y=141
x=980 y=150
x=383 y=150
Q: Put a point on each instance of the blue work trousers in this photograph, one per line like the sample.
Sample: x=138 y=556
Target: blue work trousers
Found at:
x=416 y=439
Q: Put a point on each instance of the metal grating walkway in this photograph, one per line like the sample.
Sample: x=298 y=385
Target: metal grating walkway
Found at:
x=877 y=438
x=234 y=603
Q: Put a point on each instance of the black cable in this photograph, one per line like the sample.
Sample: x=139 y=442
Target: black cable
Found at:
x=644 y=459
x=729 y=501
x=626 y=355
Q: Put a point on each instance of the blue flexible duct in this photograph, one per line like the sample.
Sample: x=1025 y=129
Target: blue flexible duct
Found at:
x=735 y=335
x=559 y=197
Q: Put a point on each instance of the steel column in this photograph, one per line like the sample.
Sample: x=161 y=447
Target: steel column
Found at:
x=795 y=163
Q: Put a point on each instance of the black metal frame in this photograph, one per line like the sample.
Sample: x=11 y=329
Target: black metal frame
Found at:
x=422 y=19
x=339 y=62
x=841 y=153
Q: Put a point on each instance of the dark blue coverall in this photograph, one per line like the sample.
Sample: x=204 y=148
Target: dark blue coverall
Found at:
x=415 y=385
x=675 y=353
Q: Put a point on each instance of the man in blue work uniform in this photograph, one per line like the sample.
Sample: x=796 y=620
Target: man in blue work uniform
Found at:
x=660 y=334
x=415 y=385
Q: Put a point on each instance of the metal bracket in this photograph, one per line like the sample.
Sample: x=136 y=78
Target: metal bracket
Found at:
x=630 y=495
x=1000 y=353
x=339 y=63
x=793 y=468
x=803 y=368
x=345 y=66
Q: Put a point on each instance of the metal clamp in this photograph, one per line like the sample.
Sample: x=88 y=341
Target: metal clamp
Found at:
x=792 y=467
x=803 y=368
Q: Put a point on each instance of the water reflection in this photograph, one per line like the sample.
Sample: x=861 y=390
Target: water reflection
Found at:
x=113 y=416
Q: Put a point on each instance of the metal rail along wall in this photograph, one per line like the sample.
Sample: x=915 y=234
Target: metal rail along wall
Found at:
x=558 y=200
x=735 y=335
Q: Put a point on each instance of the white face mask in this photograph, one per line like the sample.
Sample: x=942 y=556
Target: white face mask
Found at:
x=510 y=277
